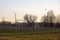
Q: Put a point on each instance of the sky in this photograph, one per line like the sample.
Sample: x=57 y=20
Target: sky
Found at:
x=21 y=7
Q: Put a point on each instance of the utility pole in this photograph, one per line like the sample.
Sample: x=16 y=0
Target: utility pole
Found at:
x=15 y=21
x=3 y=19
x=15 y=17
x=35 y=25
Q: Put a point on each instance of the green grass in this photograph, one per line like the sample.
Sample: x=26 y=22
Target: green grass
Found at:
x=30 y=31
x=31 y=37
x=29 y=34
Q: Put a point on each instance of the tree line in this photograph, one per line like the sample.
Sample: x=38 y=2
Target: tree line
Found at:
x=48 y=20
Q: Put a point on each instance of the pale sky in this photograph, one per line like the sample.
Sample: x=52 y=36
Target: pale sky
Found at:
x=22 y=7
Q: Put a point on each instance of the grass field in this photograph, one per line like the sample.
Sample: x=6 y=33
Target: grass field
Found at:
x=29 y=34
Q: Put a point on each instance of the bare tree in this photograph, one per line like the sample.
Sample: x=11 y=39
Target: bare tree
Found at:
x=49 y=18
x=30 y=18
x=44 y=18
x=58 y=21
x=58 y=18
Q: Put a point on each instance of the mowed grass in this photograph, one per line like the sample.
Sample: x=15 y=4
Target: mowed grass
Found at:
x=29 y=34
x=32 y=37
